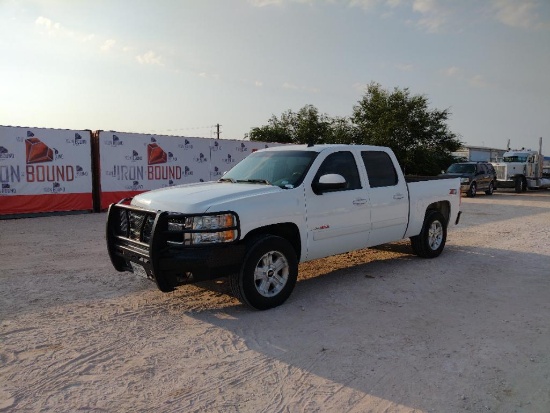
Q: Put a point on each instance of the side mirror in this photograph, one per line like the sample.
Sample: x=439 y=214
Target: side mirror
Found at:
x=329 y=182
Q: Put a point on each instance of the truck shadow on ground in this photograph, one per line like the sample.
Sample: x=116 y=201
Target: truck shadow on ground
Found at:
x=424 y=324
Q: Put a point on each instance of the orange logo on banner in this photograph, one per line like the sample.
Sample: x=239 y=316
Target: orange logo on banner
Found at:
x=37 y=151
x=155 y=154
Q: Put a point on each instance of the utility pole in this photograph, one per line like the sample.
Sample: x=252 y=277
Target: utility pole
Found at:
x=218 y=130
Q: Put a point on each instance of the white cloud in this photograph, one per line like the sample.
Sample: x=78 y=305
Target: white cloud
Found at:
x=424 y=6
x=262 y=3
x=519 y=13
x=214 y=76
x=51 y=27
x=55 y=29
x=405 y=67
x=150 y=58
x=291 y=86
x=434 y=16
x=364 y=4
x=452 y=71
x=108 y=45
x=477 y=81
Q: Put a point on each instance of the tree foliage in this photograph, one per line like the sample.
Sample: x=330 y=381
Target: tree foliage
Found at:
x=419 y=136
x=304 y=126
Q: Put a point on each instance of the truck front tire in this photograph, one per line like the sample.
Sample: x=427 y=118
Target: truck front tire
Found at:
x=520 y=184
x=491 y=189
x=431 y=240
x=268 y=274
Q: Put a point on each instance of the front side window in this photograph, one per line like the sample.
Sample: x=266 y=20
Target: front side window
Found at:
x=341 y=163
x=380 y=169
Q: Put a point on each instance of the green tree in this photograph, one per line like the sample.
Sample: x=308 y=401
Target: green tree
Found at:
x=302 y=127
x=419 y=136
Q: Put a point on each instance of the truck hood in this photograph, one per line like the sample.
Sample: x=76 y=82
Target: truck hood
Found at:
x=457 y=175
x=200 y=197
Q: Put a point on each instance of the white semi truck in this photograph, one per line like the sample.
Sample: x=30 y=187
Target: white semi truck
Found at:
x=522 y=169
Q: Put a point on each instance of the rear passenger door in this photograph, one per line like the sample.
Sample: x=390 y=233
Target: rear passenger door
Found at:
x=388 y=198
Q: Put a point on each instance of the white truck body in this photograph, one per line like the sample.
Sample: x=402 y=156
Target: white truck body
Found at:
x=303 y=202
x=521 y=169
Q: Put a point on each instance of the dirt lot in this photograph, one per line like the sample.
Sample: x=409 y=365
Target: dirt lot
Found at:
x=371 y=331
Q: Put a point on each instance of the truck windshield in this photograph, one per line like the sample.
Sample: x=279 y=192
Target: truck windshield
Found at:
x=461 y=168
x=285 y=169
x=515 y=158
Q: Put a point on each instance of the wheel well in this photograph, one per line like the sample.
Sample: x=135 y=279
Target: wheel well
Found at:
x=441 y=206
x=288 y=231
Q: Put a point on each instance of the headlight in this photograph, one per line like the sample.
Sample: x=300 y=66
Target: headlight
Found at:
x=464 y=180
x=204 y=229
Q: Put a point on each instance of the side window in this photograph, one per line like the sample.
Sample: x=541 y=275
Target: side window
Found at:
x=380 y=169
x=482 y=168
x=341 y=163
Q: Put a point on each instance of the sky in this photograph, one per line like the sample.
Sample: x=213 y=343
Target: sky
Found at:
x=182 y=67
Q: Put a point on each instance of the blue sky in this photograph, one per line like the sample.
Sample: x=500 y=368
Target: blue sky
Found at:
x=180 y=67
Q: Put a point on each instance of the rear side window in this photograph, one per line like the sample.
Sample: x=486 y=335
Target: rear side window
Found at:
x=380 y=169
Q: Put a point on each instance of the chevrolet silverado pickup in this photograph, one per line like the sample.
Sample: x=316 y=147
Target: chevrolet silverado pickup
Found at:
x=278 y=207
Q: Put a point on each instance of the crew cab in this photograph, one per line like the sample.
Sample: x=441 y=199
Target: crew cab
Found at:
x=278 y=207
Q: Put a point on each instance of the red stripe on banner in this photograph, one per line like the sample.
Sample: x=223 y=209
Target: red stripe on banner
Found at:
x=30 y=204
x=108 y=198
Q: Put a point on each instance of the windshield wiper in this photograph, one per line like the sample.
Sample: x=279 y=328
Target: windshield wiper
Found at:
x=255 y=181
x=227 y=180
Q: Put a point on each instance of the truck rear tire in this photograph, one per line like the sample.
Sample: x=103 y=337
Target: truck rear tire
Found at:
x=431 y=240
x=268 y=274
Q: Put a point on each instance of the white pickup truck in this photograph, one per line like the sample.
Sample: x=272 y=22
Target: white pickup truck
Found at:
x=276 y=208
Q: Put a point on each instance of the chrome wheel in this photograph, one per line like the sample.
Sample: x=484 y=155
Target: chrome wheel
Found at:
x=435 y=235
x=431 y=240
x=268 y=273
x=271 y=274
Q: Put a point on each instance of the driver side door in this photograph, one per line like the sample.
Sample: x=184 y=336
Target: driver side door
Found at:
x=338 y=220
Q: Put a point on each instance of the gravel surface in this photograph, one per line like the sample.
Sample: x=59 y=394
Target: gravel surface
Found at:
x=376 y=330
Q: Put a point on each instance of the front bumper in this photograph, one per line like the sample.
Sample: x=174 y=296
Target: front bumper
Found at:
x=144 y=246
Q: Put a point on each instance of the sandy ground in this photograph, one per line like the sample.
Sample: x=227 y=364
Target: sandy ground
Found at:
x=370 y=331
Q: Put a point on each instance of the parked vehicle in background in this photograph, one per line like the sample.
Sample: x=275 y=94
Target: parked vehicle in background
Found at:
x=276 y=208
x=522 y=169
x=474 y=177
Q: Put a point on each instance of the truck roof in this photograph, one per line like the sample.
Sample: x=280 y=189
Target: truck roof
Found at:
x=322 y=147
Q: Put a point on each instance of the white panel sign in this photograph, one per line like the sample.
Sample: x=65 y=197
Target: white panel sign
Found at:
x=36 y=161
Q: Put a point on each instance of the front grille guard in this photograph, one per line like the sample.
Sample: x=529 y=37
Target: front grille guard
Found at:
x=129 y=235
x=141 y=236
